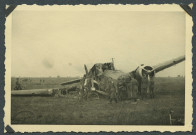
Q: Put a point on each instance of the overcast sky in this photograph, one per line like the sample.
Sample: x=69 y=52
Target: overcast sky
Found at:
x=61 y=42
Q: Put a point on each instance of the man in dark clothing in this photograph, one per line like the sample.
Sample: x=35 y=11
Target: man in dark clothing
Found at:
x=113 y=91
x=81 y=92
x=144 y=87
x=121 y=91
x=18 y=85
x=134 y=85
x=151 y=87
x=87 y=87
x=129 y=88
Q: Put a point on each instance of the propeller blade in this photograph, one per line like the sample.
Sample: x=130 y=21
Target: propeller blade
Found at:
x=86 y=69
x=71 y=82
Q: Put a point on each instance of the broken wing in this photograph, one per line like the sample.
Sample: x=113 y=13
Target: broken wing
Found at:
x=167 y=64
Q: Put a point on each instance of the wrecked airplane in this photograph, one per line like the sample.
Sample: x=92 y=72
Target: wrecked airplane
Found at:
x=102 y=74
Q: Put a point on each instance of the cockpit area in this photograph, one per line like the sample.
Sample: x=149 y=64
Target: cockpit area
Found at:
x=99 y=68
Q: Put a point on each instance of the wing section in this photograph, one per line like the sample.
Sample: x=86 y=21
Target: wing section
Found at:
x=32 y=92
x=168 y=64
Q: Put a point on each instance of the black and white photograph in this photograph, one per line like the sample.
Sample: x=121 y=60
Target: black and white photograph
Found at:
x=99 y=66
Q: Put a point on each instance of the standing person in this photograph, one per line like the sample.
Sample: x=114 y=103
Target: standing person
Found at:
x=144 y=86
x=134 y=88
x=87 y=87
x=129 y=88
x=18 y=85
x=81 y=92
x=124 y=89
x=113 y=92
x=121 y=91
x=151 y=87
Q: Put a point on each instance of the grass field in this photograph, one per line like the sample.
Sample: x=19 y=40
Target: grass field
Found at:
x=67 y=109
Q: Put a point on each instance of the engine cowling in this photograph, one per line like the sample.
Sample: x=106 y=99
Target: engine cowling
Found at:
x=143 y=70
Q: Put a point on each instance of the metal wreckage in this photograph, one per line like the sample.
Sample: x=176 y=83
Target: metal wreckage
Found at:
x=101 y=75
